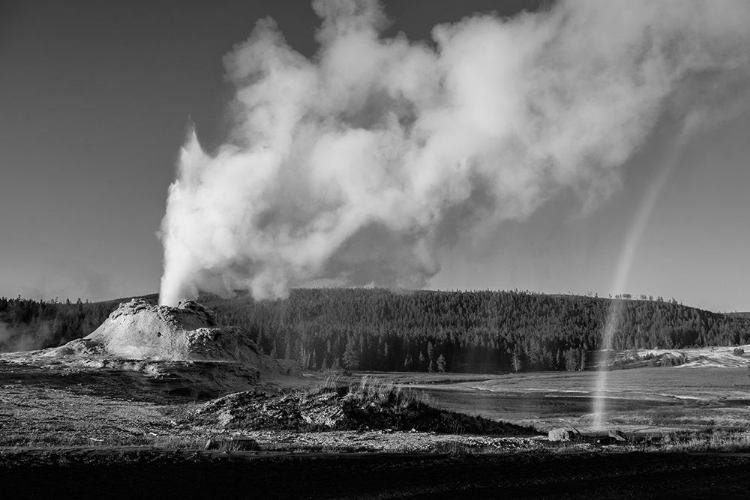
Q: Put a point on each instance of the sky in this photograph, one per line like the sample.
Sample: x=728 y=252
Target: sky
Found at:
x=96 y=99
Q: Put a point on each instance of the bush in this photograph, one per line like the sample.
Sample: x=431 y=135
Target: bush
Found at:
x=739 y=351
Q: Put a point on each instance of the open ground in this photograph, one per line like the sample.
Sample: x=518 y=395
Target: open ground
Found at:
x=61 y=424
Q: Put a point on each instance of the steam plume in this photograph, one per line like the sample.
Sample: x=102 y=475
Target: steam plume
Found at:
x=357 y=165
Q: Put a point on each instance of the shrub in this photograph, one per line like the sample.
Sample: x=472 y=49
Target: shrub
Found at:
x=738 y=351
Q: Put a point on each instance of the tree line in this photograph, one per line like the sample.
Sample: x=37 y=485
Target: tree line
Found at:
x=27 y=324
x=479 y=331
x=375 y=329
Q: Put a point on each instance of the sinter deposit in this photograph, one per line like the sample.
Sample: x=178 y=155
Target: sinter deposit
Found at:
x=180 y=349
x=188 y=332
x=137 y=330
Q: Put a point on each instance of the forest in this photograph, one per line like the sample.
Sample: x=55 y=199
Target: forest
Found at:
x=376 y=329
x=27 y=324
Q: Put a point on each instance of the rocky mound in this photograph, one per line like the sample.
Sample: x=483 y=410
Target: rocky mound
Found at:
x=171 y=351
x=137 y=330
x=342 y=408
x=188 y=332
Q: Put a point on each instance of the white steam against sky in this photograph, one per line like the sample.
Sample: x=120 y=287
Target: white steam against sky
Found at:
x=358 y=164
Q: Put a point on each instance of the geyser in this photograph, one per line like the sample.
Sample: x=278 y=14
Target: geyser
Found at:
x=357 y=164
x=139 y=330
x=628 y=252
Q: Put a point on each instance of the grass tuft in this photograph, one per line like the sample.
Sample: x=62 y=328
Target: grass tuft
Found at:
x=713 y=440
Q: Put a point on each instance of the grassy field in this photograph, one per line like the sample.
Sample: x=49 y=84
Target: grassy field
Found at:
x=663 y=398
x=73 y=432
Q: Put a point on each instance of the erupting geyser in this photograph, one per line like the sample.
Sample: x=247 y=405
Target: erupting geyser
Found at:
x=357 y=164
x=627 y=256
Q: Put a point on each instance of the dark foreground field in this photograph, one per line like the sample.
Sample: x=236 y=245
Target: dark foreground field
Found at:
x=149 y=474
x=75 y=432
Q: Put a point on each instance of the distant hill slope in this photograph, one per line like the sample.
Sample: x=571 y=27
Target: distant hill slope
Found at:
x=375 y=329
x=472 y=331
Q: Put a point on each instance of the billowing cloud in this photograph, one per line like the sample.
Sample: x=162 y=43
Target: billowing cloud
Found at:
x=356 y=165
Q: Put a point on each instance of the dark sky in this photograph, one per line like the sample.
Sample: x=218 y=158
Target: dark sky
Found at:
x=95 y=99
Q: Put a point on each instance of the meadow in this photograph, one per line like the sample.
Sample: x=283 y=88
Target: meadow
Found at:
x=66 y=425
x=640 y=399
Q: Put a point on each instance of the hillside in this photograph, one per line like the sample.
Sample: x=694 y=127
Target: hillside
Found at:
x=375 y=329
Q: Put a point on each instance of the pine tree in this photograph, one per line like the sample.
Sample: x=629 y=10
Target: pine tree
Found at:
x=441 y=364
x=571 y=360
x=288 y=342
x=517 y=361
x=351 y=355
x=408 y=362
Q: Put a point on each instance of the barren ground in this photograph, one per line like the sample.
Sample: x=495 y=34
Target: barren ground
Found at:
x=122 y=433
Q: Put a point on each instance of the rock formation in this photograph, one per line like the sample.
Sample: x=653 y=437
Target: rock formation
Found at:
x=188 y=332
x=181 y=349
x=342 y=408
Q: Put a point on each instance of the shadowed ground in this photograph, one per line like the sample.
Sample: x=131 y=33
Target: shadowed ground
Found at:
x=122 y=474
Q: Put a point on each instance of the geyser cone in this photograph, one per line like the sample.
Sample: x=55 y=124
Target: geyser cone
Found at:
x=188 y=332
